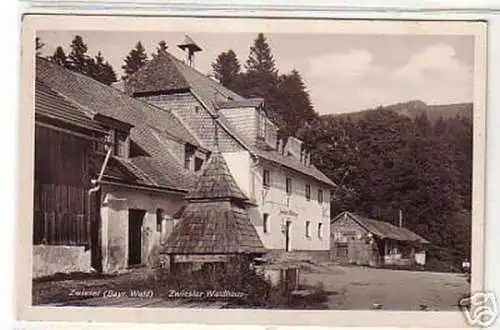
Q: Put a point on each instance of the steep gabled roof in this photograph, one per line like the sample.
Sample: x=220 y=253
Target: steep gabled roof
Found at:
x=383 y=229
x=53 y=105
x=166 y=73
x=216 y=182
x=97 y=98
x=158 y=167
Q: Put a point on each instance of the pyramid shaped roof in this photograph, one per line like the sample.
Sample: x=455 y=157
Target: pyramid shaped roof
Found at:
x=216 y=182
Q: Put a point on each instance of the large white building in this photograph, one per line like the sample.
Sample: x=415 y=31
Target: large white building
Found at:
x=292 y=197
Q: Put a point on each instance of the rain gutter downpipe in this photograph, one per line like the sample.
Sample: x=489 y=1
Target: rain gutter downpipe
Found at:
x=94 y=189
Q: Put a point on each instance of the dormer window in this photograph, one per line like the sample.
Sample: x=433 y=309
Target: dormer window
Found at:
x=262 y=125
x=198 y=163
x=118 y=137
x=121 y=144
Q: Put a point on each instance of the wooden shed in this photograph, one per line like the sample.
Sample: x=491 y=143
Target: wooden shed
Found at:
x=359 y=240
x=214 y=225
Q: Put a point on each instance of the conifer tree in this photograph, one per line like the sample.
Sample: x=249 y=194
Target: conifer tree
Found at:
x=38 y=46
x=101 y=70
x=161 y=49
x=260 y=60
x=59 y=57
x=78 y=60
x=136 y=58
x=295 y=103
x=227 y=69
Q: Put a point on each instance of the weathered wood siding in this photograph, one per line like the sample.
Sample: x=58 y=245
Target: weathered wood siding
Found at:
x=349 y=244
x=60 y=190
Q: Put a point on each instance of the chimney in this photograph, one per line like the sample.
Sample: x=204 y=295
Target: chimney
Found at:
x=278 y=144
x=308 y=158
x=400 y=218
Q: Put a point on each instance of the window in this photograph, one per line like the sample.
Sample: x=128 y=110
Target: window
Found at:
x=100 y=146
x=308 y=192
x=342 y=251
x=288 y=186
x=265 y=218
x=320 y=196
x=262 y=125
x=159 y=219
x=308 y=227
x=198 y=163
x=189 y=151
x=121 y=144
x=119 y=141
x=266 y=179
x=320 y=230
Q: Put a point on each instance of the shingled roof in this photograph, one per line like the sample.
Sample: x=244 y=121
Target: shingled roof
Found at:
x=158 y=166
x=383 y=229
x=166 y=73
x=97 y=98
x=215 y=219
x=51 y=104
x=216 y=182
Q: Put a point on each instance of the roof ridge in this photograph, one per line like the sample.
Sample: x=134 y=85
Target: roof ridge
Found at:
x=84 y=109
x=203 y=76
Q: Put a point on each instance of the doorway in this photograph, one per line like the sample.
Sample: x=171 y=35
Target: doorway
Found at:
x=288 y=247
x=135 y=220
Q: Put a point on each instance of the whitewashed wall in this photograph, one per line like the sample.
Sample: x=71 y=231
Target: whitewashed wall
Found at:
x=282 y=207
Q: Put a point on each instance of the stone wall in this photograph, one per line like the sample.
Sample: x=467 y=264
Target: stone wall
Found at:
x=51 y=259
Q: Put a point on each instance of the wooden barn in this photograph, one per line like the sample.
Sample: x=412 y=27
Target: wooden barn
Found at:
x=215 y=224
x=363 y=241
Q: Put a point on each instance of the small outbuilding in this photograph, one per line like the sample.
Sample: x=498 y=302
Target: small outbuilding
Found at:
x=214 y=226
x=359 y=240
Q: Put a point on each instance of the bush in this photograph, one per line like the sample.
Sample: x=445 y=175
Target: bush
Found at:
x=235 y=276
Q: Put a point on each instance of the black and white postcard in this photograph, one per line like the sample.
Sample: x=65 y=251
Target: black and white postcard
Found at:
x=279 y=171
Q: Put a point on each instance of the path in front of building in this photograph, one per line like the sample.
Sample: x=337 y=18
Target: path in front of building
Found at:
x=361 y=288
x=349 y=288
x=62 y=292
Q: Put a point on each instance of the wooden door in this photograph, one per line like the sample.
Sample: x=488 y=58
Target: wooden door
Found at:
x=135 y=219
x=342 y=252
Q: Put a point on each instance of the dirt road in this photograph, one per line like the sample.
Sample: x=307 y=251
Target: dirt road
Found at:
x=361 y=288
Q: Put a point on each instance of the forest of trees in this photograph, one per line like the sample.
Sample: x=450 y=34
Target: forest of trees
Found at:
x=398 y=157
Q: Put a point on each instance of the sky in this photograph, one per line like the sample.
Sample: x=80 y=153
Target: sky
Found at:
x=343 y=73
